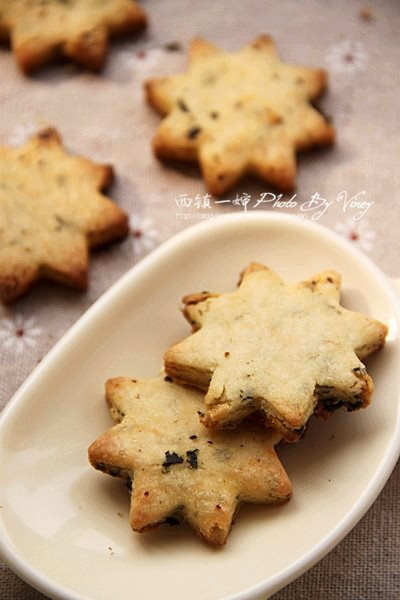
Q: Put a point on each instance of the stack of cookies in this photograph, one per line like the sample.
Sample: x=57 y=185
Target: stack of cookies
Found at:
x=198 y=440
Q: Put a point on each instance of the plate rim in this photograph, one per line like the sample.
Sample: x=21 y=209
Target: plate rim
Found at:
x=34 y=577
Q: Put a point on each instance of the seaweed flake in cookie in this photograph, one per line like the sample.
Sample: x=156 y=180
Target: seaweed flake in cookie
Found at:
x=51 y=212
x=171 y=458
x=237 y=113
x=287 y=350
x=79 y=30
x=202 y=484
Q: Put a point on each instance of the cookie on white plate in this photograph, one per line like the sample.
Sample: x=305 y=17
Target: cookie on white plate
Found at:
x=288 y=350
x=176 y=467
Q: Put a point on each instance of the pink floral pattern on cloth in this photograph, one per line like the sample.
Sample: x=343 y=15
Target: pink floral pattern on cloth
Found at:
x=357 y=232
x=143 y=233
x=106 y=118
x=19 y=334
x=347 y=57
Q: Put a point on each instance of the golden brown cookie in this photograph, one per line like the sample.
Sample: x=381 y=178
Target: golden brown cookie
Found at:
x=41 y=30
x=237 y=113
x=51 y=212
x=175 y=466
x=285 y=349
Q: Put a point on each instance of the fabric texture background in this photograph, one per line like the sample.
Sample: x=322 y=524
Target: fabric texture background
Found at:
x=105 y=117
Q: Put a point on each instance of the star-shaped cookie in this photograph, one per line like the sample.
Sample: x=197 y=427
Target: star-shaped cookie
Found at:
x=178 y=467
x=51 y=212
x=41 y=30
x=238 y=113
x=285 y=349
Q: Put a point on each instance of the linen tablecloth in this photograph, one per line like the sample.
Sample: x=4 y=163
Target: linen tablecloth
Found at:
x=350 y=188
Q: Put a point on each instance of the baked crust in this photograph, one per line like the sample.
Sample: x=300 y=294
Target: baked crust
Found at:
x=51 y=213
x=79 y=30
x=287 y=350
x=178 y=467
x=237 y=113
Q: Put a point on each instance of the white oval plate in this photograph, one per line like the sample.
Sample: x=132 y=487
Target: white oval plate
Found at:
x=60 y=523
